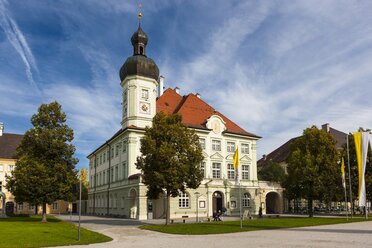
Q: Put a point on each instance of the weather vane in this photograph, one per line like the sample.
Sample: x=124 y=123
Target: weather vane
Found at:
x=139 y=14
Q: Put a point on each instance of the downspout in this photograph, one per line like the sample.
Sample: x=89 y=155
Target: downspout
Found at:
x=109 y=182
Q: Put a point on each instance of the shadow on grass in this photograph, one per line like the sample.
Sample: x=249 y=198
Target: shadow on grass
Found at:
x=29 y=219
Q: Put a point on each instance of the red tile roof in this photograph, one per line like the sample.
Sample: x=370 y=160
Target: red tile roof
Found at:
x=194 y=111
x=8 y=144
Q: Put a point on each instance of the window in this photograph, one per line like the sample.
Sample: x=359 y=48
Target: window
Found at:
x=112 y=152
x=55 y=205
x=230 y=171
x=202 y=168
x=20 y=206
x=117 y=150
x=145 y=94
x=183 y=200
x=125 y=96
x=112 y=174
x=100 y=179
x=104 y=157
x=122 y=202
x=31 y=206
x=216 y=170
x=246 y=200
x=245 y=148
x=202 y=143
x=100 y=159
x=216 y=145
x=108 y=175
x=1 y=186
x=124 y=146
x=116 y=173
x=115 y=201
x=245 y=171
x=10 y=167
x=230 y=147
x=108 y=154
x=1 y=167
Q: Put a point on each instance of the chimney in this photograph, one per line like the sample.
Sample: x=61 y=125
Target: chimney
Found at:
x=177 y=90
x=326 y=128
x=264 y=157
x=198 y=95
x=161 y=85
x=1 y=128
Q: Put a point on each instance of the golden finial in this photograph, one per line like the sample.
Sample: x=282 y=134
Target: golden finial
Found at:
x=139 y=14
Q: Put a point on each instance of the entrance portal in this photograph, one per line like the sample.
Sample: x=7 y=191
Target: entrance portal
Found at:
x=133 y=204
x=217 y=201
x=273 y=205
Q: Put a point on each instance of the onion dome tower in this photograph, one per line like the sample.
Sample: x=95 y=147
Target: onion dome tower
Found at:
x=139 y=80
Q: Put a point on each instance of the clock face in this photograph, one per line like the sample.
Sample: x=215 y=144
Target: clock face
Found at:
x=144 y=107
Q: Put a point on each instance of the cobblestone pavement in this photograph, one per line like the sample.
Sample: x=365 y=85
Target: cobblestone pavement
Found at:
x=126 y=234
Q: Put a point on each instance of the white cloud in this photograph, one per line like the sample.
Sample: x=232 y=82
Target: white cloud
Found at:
x=18 y=41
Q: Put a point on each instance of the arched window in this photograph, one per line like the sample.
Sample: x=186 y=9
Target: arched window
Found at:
x=183 y=200
x=246 y=200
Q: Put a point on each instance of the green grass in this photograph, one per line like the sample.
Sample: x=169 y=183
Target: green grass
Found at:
x=30 y=232
x=248 y=225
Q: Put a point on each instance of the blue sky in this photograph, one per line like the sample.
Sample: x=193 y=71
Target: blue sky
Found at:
x=273 y=67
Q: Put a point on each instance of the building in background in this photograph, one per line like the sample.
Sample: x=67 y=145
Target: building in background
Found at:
x=8 y=145
x=115 y=183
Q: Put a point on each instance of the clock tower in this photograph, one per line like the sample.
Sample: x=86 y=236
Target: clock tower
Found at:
x=139 y=81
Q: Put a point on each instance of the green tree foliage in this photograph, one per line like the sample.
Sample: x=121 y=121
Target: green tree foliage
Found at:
x=354 y=169
x=313 y=169
x=45 y=169
x=271 y=171
x=171 y=157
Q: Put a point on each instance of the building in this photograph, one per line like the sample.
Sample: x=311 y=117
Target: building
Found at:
x=281 y=154
x=8 y=145
x=115 y=183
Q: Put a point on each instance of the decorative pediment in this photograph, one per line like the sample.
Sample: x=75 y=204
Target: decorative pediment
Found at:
x=216 y=123
x=205 y=155
x=230 y=157
x=217 y=156
x=245 y=158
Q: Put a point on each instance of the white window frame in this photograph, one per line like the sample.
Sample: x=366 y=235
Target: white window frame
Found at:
x=230 y=171
x=216 y=145
x=20 y=206
x=145 y=94
x=216 y=170
x=10 y=167
x=202 y=168
x=244 y=148
x=246 y=200
x=184 y=200
x=31 y=206
x=202 y=143
x=1 y=167
x=230 y=146
x=245 y=171
x=55 y=206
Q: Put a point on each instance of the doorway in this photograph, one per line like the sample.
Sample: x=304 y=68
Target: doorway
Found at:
x=217 y=201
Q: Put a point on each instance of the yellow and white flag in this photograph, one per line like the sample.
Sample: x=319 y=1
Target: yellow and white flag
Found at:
x=236 y=158
x=343 y=173
x=361 y=148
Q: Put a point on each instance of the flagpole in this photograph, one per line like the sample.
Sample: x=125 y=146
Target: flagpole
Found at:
x=240 y=207
x=348 y=165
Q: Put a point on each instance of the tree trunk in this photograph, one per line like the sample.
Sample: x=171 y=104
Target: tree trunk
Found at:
x=310 y=206
x=36 y=208
x=44 y=213
x=167 y=218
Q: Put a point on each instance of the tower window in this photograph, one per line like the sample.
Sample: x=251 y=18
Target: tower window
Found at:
x=141 y=50
x=145 y=94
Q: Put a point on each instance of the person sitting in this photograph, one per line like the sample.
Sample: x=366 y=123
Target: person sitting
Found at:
x=219 y=213
x=215 y=216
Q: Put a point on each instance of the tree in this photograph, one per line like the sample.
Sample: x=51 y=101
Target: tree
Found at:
x=45 y=169
x=271 y=171
x=171 y=158
x=313 y=168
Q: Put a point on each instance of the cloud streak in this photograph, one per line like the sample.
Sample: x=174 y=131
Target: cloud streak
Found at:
x=18 y=41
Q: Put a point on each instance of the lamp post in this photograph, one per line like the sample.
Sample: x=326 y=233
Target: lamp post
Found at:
x=197 y=194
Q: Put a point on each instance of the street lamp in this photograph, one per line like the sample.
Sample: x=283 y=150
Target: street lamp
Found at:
x=197 y=195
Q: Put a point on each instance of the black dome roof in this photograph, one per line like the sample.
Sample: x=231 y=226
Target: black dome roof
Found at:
x=139 y=64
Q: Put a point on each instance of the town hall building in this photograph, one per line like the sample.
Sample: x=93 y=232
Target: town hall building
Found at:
x=116 y=186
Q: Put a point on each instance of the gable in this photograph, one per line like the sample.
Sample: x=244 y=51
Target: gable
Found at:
x=217 y=156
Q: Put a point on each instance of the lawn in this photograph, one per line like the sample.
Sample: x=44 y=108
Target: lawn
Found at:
x=30 y=232
x=248 y=225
